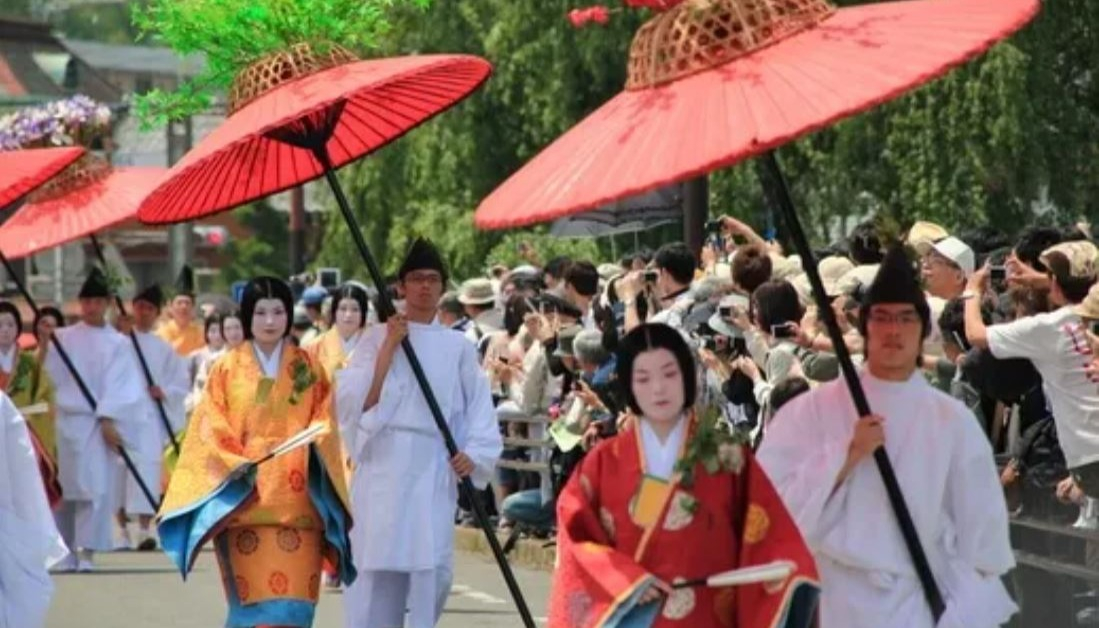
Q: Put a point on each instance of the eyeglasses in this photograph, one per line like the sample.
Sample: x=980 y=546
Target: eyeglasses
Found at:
x=423 y=278
x=905 y=319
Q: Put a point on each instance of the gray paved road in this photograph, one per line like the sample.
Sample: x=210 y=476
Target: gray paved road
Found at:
x=141 y=590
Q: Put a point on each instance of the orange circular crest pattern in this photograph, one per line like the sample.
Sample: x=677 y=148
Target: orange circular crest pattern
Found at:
x=757 y=524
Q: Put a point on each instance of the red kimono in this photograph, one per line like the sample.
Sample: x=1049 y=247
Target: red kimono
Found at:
x=618 y=528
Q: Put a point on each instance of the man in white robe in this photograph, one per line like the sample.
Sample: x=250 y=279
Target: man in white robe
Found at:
x=29 y=541
x=819 y=457
x=147 y=435
x=87 y=438
x=403 y=490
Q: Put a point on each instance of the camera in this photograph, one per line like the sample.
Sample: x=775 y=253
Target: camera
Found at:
x=783 y=331
x=651 y=276
x=715 y=226
x=998 y=273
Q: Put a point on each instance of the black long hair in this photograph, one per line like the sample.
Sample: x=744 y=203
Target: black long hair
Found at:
x=6 y=307
x=356 y=294
x=265 y=288
x=649 y=337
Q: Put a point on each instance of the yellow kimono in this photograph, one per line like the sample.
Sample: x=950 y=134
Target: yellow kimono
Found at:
x=30 y=386
x=327 y=350
x=185 y=341
x=273 y=524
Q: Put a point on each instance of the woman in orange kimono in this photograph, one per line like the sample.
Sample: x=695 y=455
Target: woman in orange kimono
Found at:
x=674 y=497
x=332 y=349
x=272 y=524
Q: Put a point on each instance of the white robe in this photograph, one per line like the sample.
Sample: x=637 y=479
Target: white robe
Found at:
x=146 y=436
x=403 y=491
x=29 y=541
x=946 y=472
x=86 y=466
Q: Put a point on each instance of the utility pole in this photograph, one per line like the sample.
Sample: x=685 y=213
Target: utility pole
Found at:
x=297 y=230
x=696 y=211
x=180 y=238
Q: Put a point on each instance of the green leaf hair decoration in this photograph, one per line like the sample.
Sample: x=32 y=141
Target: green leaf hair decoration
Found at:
x=236 y=33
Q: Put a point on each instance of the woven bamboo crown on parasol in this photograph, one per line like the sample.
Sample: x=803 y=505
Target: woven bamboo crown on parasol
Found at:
x=699 y=35
x=297 y=61
x=87 y=170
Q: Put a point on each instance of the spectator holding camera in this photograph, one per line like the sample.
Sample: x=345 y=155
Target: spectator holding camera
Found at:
x=1057 y=344
x=675 y=267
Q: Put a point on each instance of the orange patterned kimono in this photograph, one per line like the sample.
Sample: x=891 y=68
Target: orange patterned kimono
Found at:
x=271 y=526
x=619 y=527
x=185 y=341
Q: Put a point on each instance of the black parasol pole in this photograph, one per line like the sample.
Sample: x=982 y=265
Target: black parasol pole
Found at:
x=84 y=390
x=885 y=467
x=312 y=133
x=140 y=354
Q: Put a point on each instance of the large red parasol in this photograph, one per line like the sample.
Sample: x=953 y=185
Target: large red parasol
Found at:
x=21 y=171
x=361 y=106
x=68 y=209
x=712 y=82
x=834 y=63
x=301 y=114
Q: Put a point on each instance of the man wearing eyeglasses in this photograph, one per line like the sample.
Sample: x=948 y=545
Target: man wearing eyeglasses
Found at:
x=819 y=457
x=404 y=492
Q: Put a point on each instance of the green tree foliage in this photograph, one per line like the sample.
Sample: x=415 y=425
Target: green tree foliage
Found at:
x=983 y=145
x=262 y=254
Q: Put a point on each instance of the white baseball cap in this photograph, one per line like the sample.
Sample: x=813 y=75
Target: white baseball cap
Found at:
x=958 y=252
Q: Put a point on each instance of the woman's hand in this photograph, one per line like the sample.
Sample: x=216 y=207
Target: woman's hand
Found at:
x=657 y=590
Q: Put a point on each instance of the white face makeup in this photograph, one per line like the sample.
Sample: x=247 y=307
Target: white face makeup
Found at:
x=233 y=331
x=657 y=385
x=269 y=321
x=349 y=317
x=214 y=339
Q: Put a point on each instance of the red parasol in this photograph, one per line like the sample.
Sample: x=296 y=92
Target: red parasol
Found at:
x=58 y=214
x=299 y=115
x=374 y=102
x=21 y=171
x=712 y=82
x=834 y=64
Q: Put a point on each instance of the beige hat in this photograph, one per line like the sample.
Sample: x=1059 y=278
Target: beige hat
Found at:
x=923 y=234
x=1081 y=257
x=831 y=269
x=1089 y=307
x=785 y=267
x=609 y=271
x=858 y=278
x=477 y=292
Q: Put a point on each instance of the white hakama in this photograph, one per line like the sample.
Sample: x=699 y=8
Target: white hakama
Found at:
x=29 y=541
x=404 y=492
x=86 y=466
x=946 y=471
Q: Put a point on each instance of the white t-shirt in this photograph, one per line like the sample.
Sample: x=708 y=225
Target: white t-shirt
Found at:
x=1057 y=345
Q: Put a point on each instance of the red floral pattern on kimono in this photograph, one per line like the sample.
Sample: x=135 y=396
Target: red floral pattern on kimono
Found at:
x=618 y=528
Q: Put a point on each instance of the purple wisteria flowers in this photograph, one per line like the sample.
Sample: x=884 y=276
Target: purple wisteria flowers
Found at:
x=71 y=122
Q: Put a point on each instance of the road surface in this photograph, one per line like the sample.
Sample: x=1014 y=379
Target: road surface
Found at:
x=143 y=590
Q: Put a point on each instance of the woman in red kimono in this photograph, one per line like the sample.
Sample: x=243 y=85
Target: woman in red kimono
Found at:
x=673 y=497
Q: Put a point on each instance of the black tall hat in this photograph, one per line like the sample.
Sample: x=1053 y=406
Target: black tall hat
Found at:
x=422 y=255
x=265 y=288
x=152 y=294
x=185 y=283
x=896 y=282
x=96 y=285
